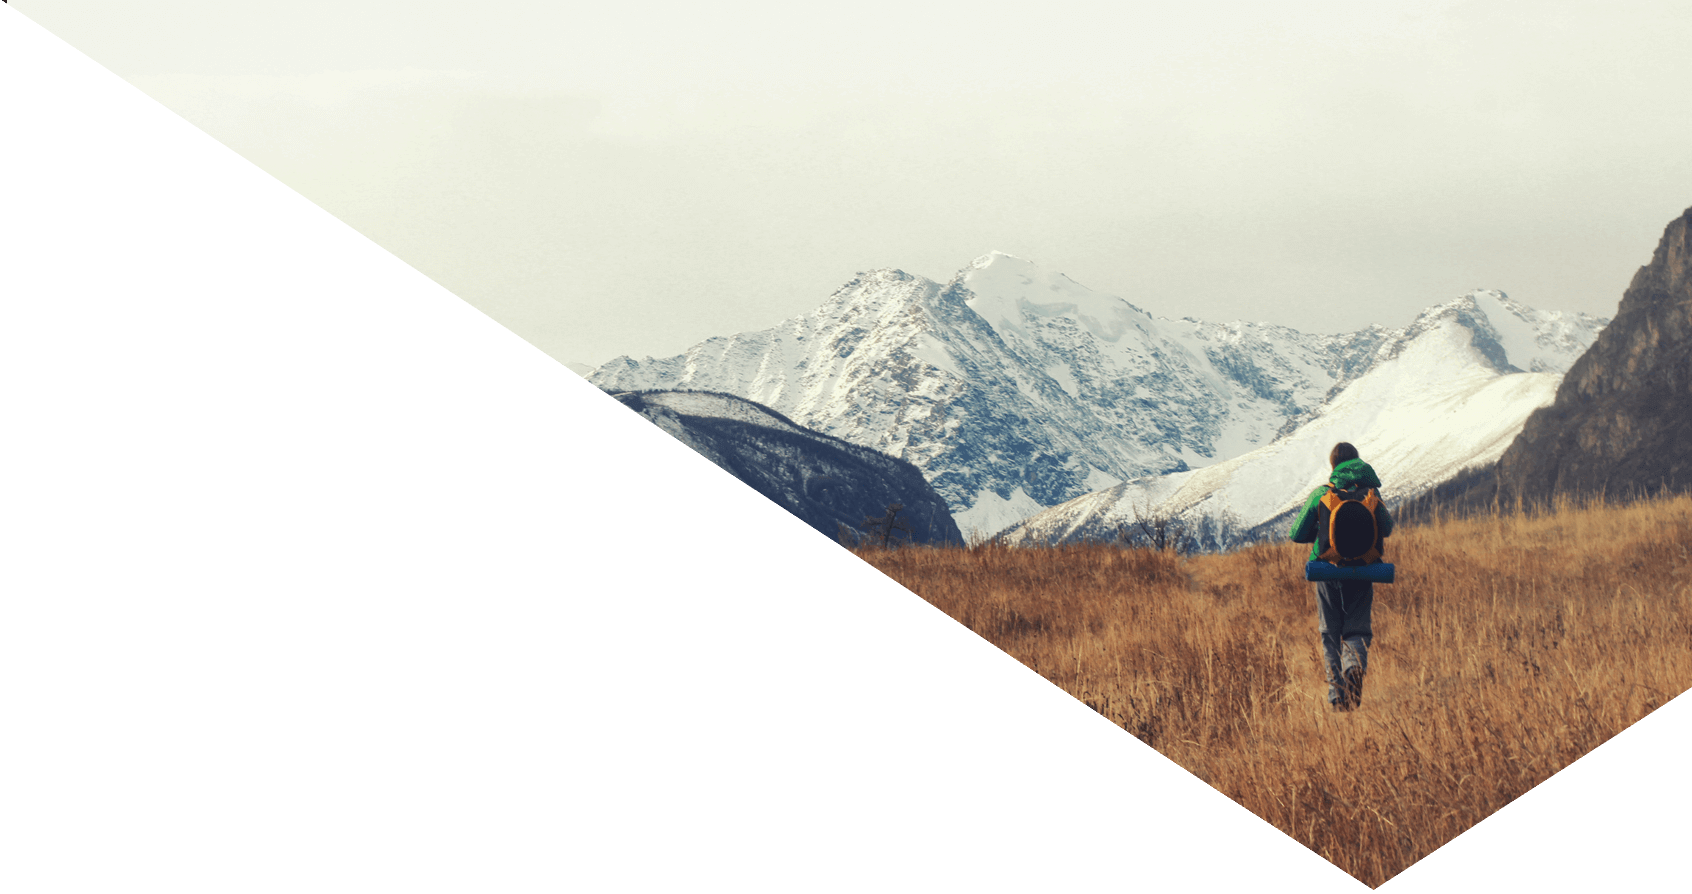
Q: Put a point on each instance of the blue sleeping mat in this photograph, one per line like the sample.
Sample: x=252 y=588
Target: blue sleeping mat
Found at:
x=1377 y=572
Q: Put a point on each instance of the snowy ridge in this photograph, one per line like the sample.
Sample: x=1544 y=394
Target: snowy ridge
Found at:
x=1013 y=388
x=721 y=406
x=1445 y=394
x=682 y=412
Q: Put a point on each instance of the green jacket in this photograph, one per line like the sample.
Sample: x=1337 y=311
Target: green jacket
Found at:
x=1351 y=473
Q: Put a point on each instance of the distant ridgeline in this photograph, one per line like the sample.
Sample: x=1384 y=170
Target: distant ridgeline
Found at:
x=1621 y=422
x=1015 y=391
x=1448 y=392
x=1048 y=413
x=823 y=480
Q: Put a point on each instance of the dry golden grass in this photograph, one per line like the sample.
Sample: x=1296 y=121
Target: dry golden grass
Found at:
x=1507 y=648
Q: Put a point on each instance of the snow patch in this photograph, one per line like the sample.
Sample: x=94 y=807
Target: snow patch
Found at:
x=1191 y=457
x=990 y=513
x=1098 y=479
x=1065 y=378
x=930 y=350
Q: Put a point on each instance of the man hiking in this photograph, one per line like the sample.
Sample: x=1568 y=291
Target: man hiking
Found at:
x=1342 y=606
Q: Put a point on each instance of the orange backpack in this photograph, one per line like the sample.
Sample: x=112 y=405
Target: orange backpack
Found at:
x=1347 y=527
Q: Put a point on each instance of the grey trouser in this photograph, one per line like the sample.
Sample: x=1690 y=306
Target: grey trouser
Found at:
x=1342 y=618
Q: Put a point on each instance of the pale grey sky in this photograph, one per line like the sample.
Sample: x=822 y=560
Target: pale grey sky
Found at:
x=632 y=178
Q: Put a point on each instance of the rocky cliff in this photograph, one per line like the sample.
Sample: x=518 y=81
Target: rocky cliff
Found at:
x=1621 y=422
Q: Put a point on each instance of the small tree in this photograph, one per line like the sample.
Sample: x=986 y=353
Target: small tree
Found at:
x=884 y=526
x=1159 y=530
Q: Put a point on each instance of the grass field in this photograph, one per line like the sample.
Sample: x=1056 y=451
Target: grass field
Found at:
x=1508 y=647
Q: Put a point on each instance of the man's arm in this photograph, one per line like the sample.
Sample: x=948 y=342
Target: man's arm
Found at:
x=1304 y=530
x=1385 y=520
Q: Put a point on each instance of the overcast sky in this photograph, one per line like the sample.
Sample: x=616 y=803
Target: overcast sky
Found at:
x=632 y=178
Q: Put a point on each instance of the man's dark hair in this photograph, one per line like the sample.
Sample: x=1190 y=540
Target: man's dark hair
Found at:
x=1341 y=452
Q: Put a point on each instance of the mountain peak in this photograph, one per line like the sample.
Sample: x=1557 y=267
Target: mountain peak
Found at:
x=995 y=256
x=1013 y=387
x=879 y=275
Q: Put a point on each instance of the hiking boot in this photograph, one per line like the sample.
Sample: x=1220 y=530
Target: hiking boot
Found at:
x=1354 y=685
x=1337 y=699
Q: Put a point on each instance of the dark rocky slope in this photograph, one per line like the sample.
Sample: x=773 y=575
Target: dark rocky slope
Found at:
x=1621 y=423
x=824 y=481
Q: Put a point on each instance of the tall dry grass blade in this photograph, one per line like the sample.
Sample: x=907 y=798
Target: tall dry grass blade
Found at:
x=1513 y=643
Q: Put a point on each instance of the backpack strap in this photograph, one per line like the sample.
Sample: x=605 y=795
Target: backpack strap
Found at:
x=1331 y=502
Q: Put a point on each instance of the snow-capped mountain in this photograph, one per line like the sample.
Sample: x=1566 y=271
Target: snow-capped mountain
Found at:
x=1015 y=389
x=1449 y=392
x=824 y=481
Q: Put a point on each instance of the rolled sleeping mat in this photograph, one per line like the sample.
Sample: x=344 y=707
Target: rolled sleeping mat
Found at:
x=1375 y=572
